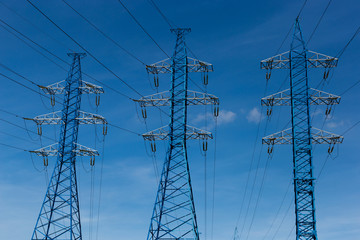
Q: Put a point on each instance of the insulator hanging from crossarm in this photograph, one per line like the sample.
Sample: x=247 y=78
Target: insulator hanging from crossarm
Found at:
x=331 y=147
x=328 y=110
x=206 y=78
x=105 y=128
x=153 y=146
x=269 y=111
x=97 y=100
x=268 y=72
x=143 y=112
x=216 y=110
x=39 y=129
x=156 y=80
x=52 y=100
x=271 y=146
x=205 y=145
x=46 y=160
x=92 y=160
x=326 y=73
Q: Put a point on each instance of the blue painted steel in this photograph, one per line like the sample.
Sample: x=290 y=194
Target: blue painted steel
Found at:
x=59 y=216
x=174 y=214
x=301 y=131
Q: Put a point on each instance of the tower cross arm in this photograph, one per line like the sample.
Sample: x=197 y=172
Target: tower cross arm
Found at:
x=314 y=59
x=319 y=60
x=164 y=99
x=193 y=65
x=317 y=97
x=52 y=150
x=318 y=137
x=59 y=88
x=56 y=118
x=191 y=133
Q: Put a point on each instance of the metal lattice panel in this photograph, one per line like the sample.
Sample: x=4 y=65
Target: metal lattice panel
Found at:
x=164 y=99
x=317 y=97
x=59 y=217
x=164 y=134
x=301 y=135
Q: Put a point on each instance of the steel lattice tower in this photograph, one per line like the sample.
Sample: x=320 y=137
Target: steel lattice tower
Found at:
x=59 y=216
x=174 y=215
x=301 y=135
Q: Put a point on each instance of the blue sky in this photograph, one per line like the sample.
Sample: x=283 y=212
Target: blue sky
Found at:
x=232 y=35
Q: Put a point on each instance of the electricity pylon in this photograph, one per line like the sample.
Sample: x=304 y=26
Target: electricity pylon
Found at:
x=174 y=215
x=301 y=135
x=59 y=216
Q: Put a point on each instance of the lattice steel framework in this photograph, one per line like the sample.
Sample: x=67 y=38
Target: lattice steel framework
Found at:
x=301 y=135
x=174 y=215
x=59 y=216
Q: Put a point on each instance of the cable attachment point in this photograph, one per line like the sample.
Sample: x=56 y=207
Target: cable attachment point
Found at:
x=39 y=129
x=153 y=146
x=156 y=80
x=328 y=110
x=143 y=112
x=46 y=161
x=268 y=71
x=92 y=160
x=216 y=110
x=52 y=100
x=269 y=111
x=326 y=73
x=205 y=78
x=331 y=147
x=97 y=100
x=205 y=145
x=105 y=128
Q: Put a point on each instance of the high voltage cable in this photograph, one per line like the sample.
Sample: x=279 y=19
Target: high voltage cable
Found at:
x=318 y=23
x=288 y=33
x=33 y=25
x=103 y=33
x=83 y=48
x=139 y=24
x=57 y=57
x=348 y=43
x=161 y=13
x=10 y=146
x=88 y=52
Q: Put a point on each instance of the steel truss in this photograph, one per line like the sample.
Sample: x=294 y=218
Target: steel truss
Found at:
x=59 y=216
x=174 y=215
x=301 y=135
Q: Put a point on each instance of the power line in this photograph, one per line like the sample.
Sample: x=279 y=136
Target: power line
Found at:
x=103 y=33
x=54 y=55
x=161 y=13
x=288 y=33
x=348 y=43
x=139 y=24
x=18 y=126
x=83 y=48
x=318 y=23
x=352 y=86
x=34 y=26
x=10 y=146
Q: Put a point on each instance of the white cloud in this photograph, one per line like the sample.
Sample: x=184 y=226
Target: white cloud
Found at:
x=254 y=116
x=226 y=117
x=334 y=124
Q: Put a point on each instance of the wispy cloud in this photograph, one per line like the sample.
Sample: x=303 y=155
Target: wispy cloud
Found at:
x=254 y=116
x=335 y=124
x=225 y=117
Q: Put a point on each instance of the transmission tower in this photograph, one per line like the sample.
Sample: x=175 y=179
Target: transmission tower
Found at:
x=174 y=215
x=59 y=216
x=302 y=135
